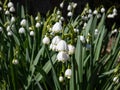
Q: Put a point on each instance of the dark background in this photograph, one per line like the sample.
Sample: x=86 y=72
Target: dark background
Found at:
x=43 y=6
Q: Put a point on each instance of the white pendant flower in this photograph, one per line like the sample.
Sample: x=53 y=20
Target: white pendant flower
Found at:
x=9 y=33
x=70 y=14
x=23 y=22
x=110 y=16
x=1 y=29
x=61 y=4
x=82 y=39
x=8 y=28
x=69 y=8
x=68 y=73
x=61 y=79
x=102 y=10
x=32 y=33
x=96 y=32
x=46 y=40
x=37 y=25
x=62 y=46
x=57 y=27
x=10 y=4
x=12 y=9
x=95 y=12
x=116 y=79
x=12 y=19
x=56 y=40
x=71 y=50
x=62 y=56
x=7 y=12
x=15 y=61
x=21 y=30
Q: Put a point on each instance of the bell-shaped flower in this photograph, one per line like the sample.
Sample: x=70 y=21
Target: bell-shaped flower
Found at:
x=10 y=4
x=21 y=30
x=71 y=50
x=12 y=9
x=68 y=73
x=57 y=27
x=23 y=22
x=62 y=56
x=61 y=78
x=102 y=10
x=32 y=33
x=82 y=39
x=46 y=40
x=1 y=29
x=62 y=46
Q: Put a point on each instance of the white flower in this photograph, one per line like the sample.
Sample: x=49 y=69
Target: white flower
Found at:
x=70 y=14
x=90 y=15
x=61 y=79
x=68 y=73
x=12 y=9
x=98 y=16
x=21 y=30
x=114 y=14
x=46 y=40
x=82 y=39
x=62 y=56
x=53 y=47
x=23 y=22
x=95 y=12
x=36 y=18
x=7 y=12
x=0 y=8
x=110 y=16
x=12 y=19
x=10 y=4
x=71 y=49
x=62 y=18
x=89 y=11
x=1 y=29
x=9 y=33
x=74 y=5
x=37 y=25
x=116 y=79
x=69 y=8
x=56 y=40
x=114 y=31
x=58 y=12
x=96 y=32
x=61 y=4
x=57 y=27
x=102 y=10
x=114 y=10
x=15 y=61
x=32 y=33
x=62 y=46
x=8 y=28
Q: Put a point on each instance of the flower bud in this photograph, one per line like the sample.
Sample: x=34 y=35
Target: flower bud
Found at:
x=76 y=30
x=68 y=73
x=57 y=27
x=61 y=79
x=74 y=5
x=0 y=8
x=62 y=46
x=8 y=28
x=15 y=61
x=21 y=30
x=96 y=32
x=46 y=40
x=62 y=56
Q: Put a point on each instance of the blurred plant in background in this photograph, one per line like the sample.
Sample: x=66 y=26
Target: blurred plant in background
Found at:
x=49 y=53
